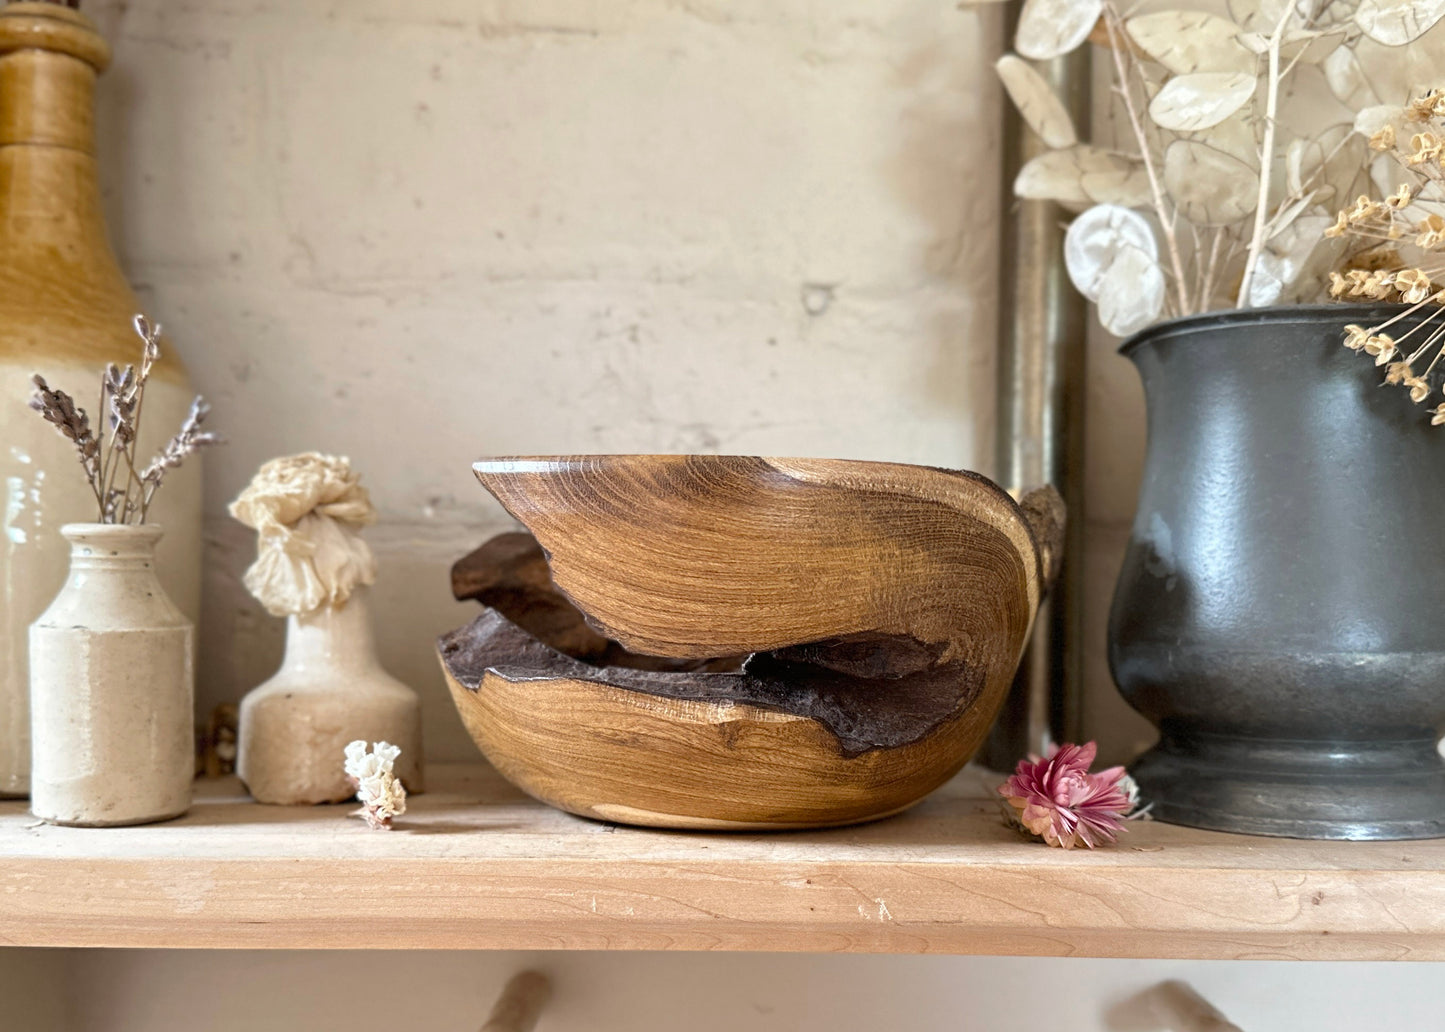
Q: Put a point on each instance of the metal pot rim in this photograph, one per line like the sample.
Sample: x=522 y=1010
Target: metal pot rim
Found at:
x=1284 y=315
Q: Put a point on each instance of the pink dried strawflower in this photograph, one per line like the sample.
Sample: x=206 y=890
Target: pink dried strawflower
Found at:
x=1059 y=799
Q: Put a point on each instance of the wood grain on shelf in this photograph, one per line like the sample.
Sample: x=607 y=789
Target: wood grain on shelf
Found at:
x=475 y=864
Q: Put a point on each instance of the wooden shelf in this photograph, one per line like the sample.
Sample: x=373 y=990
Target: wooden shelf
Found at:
x=475 y=864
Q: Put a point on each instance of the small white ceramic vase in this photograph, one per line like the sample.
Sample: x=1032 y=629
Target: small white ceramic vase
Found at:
x=330 y=690
x=111 y=687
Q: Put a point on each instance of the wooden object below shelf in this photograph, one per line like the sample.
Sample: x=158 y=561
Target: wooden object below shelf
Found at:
x=475 y=864
x=520 y=1004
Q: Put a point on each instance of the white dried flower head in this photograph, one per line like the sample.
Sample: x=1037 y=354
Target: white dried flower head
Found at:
x=1401 y=198
x=1437 y=416
x=1371 y=283
x=1355 y=337
x=1382 y=346
x=1430 y=232
x=1364 y=209
x=1419 y=389
x=386 y=755
x=1424 y=147
x=1397 y=373
x=355 y=756
x=1424 y=108
x=1413 y=285
x=1383 y=138
x=378 y=789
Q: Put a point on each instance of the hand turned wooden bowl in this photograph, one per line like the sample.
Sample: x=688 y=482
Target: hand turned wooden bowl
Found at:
x=767 y=643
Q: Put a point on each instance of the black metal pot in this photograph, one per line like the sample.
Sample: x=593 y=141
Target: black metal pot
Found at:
x=1281 y=610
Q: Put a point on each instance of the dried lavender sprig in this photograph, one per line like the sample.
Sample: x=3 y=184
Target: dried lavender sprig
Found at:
x=150 y=333
x=189 y=439
x=58 y=408
x=122 y=400
x=131 y=389
x=121 y=390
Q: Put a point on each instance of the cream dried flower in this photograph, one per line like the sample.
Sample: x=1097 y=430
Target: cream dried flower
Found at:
x=1397 y=373
x=1365 y=209
x=378 y=789
x=307 y=511
x=1424 y=147
x=1382 y=346
x=1430 y=232
x=1424 y=108
x=1393 y=252
x=1413 y=285
x=1371 y=283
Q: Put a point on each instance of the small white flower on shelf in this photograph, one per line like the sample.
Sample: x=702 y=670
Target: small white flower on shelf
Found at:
x=378 y=789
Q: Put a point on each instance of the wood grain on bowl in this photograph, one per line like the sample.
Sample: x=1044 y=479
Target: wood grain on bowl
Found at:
x=786 y=643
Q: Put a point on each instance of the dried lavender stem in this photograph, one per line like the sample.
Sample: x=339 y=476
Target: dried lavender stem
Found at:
x=131 y=477
x=98 y=480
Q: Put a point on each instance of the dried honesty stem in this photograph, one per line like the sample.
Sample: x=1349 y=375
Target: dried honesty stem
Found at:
x=123 y=492
x=1396 y=248
x=378 y=789
x=1217 y=168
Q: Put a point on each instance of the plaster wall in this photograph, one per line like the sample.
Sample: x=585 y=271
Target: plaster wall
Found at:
x=421 y=233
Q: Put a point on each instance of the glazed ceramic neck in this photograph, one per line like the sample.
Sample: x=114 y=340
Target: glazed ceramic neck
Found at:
x=332 y=638
x=49 y=58
x=112 y=546
x=52 y=225
x=112 y=581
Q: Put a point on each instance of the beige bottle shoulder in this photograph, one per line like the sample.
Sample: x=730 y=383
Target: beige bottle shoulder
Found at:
x=79 y=340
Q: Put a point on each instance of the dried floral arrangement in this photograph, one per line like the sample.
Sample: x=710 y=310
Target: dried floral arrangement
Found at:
x=1396 y=246
x=378 y=789
x=1233 y=143
x=1055 y=798
x=123 y=489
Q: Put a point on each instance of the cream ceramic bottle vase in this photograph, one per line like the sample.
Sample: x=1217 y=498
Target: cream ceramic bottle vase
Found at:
x=331 y=690
x=111 y=667
x=65 y=311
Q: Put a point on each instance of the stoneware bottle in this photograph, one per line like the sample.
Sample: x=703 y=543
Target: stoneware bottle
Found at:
x=331 y=690
x=314 y=568
x=65 y=311
x=111 y=675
